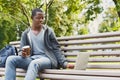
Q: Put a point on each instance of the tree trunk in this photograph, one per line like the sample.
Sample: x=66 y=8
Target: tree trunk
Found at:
x=115 y=1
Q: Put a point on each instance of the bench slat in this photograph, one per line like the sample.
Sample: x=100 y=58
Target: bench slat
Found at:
x=85 y=72
x=75 y=77
x=99 y=35
x=94 y=47
x=95 y=53
x=90 y=41
x=104 y=66
x=14 y=42
x=104 y=59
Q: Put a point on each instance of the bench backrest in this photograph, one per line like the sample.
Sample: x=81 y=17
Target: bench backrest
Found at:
x=104 y=49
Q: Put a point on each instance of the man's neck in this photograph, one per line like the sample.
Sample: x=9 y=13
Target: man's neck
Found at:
x=36 y=28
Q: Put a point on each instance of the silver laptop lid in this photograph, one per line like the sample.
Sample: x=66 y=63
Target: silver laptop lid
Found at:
x=81 y=61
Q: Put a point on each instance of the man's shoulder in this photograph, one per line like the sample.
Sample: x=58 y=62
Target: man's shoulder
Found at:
x=46 y=27
x=26 y=30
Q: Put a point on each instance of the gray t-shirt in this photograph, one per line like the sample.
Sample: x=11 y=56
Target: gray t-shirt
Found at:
x=38 y=45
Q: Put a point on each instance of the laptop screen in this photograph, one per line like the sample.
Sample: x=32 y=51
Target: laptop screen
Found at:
x=81 y=61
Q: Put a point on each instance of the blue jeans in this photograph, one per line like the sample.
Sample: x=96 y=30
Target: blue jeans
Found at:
x=32 y=66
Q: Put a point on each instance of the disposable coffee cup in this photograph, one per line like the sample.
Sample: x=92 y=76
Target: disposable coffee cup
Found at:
x=27 y=49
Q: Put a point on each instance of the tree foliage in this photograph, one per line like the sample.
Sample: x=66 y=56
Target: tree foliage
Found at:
x=111 y=21
x=117 y=3
x=64 y=16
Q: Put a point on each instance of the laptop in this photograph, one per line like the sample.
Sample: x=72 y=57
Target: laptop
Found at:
x=81 y=61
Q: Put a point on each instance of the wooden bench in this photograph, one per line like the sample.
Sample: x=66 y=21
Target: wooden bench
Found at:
x=104 y=60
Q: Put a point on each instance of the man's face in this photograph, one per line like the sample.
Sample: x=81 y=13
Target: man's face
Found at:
x=38 y=19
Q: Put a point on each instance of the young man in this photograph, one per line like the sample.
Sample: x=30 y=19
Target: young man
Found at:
x=45 y=52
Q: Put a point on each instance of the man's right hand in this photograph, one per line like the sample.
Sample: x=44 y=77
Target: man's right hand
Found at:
x=24 y=52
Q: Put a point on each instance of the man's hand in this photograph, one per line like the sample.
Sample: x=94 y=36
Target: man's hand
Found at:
x=70 y=66
x=24 y=52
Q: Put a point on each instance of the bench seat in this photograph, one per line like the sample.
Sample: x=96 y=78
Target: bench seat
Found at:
x=103 y=64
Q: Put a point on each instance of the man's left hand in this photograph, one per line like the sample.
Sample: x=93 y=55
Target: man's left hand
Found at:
x=70 y=66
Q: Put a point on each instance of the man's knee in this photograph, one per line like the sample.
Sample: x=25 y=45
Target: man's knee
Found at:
x=10 y=58
x=34 y=62
x=40 y=64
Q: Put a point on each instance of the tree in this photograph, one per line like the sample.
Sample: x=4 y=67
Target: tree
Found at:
x=15 y=17
x=110 y=22
x=117 y=3
x=61 y=15
x=7 y=31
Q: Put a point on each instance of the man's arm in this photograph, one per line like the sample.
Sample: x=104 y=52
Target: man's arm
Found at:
x=58 y=53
